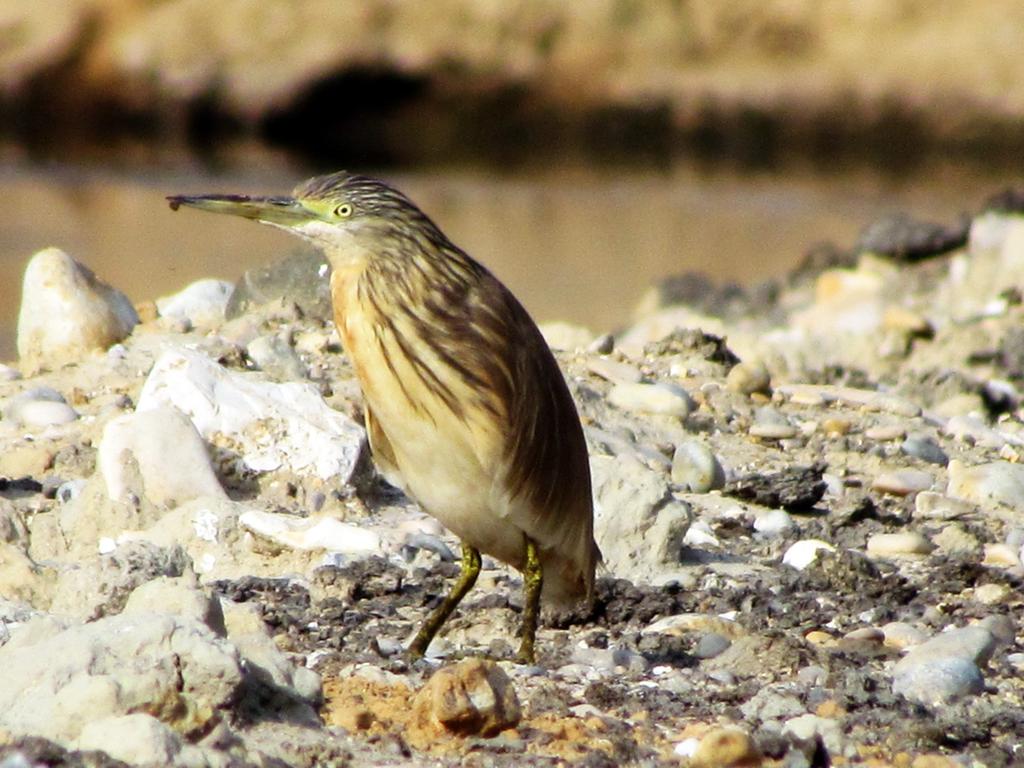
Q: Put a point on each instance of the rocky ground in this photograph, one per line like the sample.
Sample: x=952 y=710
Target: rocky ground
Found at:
x=810 y=502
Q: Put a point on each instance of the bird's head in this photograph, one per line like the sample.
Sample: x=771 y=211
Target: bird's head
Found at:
x=330 y=211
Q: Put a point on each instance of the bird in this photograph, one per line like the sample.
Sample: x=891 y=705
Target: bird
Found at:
x=466 y=408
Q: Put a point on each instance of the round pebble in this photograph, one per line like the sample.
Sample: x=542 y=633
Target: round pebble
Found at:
x=661 y=399
x=748 y=378
x=925 y=449
x=775 y=522
x=772 y=425
x=44 y=413
x=991 y=594
x=894 y=544
x=725 y=746
x=901 y=636
x=695 y=468
x=885 y=432
x=711 y=644
x=903 y=482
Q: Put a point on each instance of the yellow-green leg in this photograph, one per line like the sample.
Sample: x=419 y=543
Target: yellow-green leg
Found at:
x=533 y=581
x=467 y=578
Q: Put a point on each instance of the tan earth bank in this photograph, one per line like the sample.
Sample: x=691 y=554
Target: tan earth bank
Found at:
x=811 y=507
x=952 y=71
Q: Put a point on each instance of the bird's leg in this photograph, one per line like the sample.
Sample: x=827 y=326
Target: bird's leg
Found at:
x=533 y=581
x=467 y=578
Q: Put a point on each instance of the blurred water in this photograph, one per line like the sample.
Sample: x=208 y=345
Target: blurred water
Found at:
x=576 y=244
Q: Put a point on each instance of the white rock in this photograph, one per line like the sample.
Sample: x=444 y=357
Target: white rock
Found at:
x=273 y=426
x=202 y=303
x=804 y=552
x=661 y=399
x=162 y=447
x=313 y=533
x=67 y=311
x=137 y=739
x=773 y=522
x=117 y=665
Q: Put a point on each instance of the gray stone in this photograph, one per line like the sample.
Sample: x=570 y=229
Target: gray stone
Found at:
x=695 y=467
x=639 y=526
x=938 y=681
x=301 y=279
x=276 y=357
x=771 y=425
x=807 y=726
x=710 y=645
x=161 y=448
x=926 y=449
x=772 y=703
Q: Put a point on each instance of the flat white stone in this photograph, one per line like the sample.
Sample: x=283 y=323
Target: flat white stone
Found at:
x=309 y=533
x=272 y=426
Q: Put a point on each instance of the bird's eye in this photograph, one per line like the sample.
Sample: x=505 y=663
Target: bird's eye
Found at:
x=343 y=211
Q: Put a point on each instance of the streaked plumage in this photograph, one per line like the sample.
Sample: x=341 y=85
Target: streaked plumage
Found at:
x=466 y=408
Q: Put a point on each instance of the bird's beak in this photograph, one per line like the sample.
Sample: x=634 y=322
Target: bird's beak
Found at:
x=279 y=211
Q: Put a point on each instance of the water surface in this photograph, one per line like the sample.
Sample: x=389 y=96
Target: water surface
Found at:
x=575 y=244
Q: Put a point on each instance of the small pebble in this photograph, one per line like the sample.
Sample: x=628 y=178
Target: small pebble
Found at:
x=836 y=426
x=7 y=373
x=804 y=552
x=725 y=747
x=885 y=432
x=711 y=644
x=695 y=468
x=660 y=399
x=772 y=425
x=820 y=638
x=808 y=726
x=602 y=345
x=894 y=544
x=901 y=636
x=925 y=449
x=775 y=522
x=748 y=378
x=991 y=594
x=903 y=482
x=45 y=413
x=1001 y=556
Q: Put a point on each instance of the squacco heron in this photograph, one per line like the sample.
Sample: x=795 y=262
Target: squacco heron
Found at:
x=465 y=406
